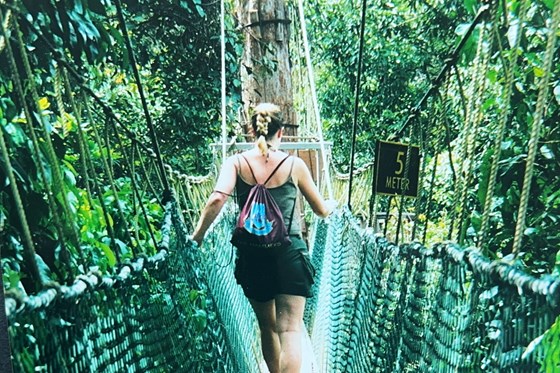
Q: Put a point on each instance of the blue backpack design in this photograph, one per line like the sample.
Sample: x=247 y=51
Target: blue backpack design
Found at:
x=260 y=223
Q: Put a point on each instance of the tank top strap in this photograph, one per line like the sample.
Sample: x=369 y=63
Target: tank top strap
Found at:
x=276 y=169
x=248 y=164
x=271 y=174
x=292 y=167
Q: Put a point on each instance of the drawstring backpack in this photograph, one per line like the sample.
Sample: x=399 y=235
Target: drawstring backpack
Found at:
x=260 y=224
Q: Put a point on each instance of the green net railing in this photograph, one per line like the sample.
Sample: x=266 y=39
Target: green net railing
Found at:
x=377 y=307
x=230 y=303
x=156 y=315
x=387 y=308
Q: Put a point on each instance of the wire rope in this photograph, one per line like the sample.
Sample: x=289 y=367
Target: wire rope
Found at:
x=535 y=131
x=136 y=73
x=223 y=77
x=311 y=77
x=357 y=102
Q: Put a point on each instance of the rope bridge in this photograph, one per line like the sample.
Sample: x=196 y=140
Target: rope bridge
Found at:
x=378 y=307
x=157 y=303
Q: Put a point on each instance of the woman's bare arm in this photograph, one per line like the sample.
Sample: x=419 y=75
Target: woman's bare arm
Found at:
x=306 y=185
x=222 y=190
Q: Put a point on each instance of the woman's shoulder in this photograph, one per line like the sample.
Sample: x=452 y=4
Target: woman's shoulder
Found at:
x=238 y=156
x=298 y=162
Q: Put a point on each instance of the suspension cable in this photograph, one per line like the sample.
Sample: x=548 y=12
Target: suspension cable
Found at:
x=311 y=76
x=136 y=73
x=535 y=132
x=223 y=67
x=356 y=102
x=509 y=70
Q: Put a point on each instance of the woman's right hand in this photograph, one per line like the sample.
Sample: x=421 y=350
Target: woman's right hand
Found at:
x=331 y=205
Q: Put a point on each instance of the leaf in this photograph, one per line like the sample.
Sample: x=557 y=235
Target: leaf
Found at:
x=200 y=318
x=44 y=103
x=470 y=5
x=547 y=152
x=512 y=32
x=44 y=270
x=193 y=294
x=530 y=231
x=109 y=254
x=549 y=4
x=557 y=92
x=539 y=72
x=16 y=133
x=200 y=11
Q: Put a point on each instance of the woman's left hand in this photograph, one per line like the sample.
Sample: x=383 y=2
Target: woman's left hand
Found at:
x=198 y=241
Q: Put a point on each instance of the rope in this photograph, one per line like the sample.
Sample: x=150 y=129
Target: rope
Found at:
x=429 y=199
x=356 y=101
x=509 y=70
x=474 y=117
x=450 y=62
x=136 y=73
x=108 y=221
x=36 y=149
x=311 y=76
x=27 y=239
x=51 y=156
x=58 y=83
x=421 y=192
x=133 y=182
x=535 y=132
x=402 y=194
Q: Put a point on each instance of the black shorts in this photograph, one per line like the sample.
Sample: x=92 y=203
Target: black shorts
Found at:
x=264 y=274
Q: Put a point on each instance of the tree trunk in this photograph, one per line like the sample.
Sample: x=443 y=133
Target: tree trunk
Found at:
x=265 y=67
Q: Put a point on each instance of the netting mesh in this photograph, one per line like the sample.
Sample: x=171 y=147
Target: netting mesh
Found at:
x=387 y=308
x=378 y=307
x=156 y=315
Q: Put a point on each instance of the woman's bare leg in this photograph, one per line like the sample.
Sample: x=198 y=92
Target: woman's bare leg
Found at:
x=289 y=319
x=270 y=342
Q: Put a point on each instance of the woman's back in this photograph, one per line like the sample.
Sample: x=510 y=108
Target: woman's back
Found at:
x=281 y=186
x=263 y=167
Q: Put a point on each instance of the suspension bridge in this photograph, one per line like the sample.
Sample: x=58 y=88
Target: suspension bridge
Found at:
x=158 y=303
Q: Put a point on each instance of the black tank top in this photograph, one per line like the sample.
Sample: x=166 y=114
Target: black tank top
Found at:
x=284 y=195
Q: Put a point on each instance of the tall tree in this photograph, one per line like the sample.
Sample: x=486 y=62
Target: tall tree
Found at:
x=265 y=69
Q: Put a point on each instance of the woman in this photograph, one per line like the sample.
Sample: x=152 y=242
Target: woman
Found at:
x=276 y=282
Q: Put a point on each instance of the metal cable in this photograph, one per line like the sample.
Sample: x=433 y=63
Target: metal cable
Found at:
x=136 y=73
x=357 y=102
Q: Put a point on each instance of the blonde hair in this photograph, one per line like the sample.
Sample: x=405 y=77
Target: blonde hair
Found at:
x=266 y=122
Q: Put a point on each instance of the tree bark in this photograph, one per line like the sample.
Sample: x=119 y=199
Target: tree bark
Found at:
x=265 y=66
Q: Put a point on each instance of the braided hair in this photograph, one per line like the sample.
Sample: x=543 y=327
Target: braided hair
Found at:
x=266 y=121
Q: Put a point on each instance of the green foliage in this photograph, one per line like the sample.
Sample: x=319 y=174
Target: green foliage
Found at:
x=178 y=45
x=541 y=237
x=75 y=25
x=404 y=46
x=546 y=347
